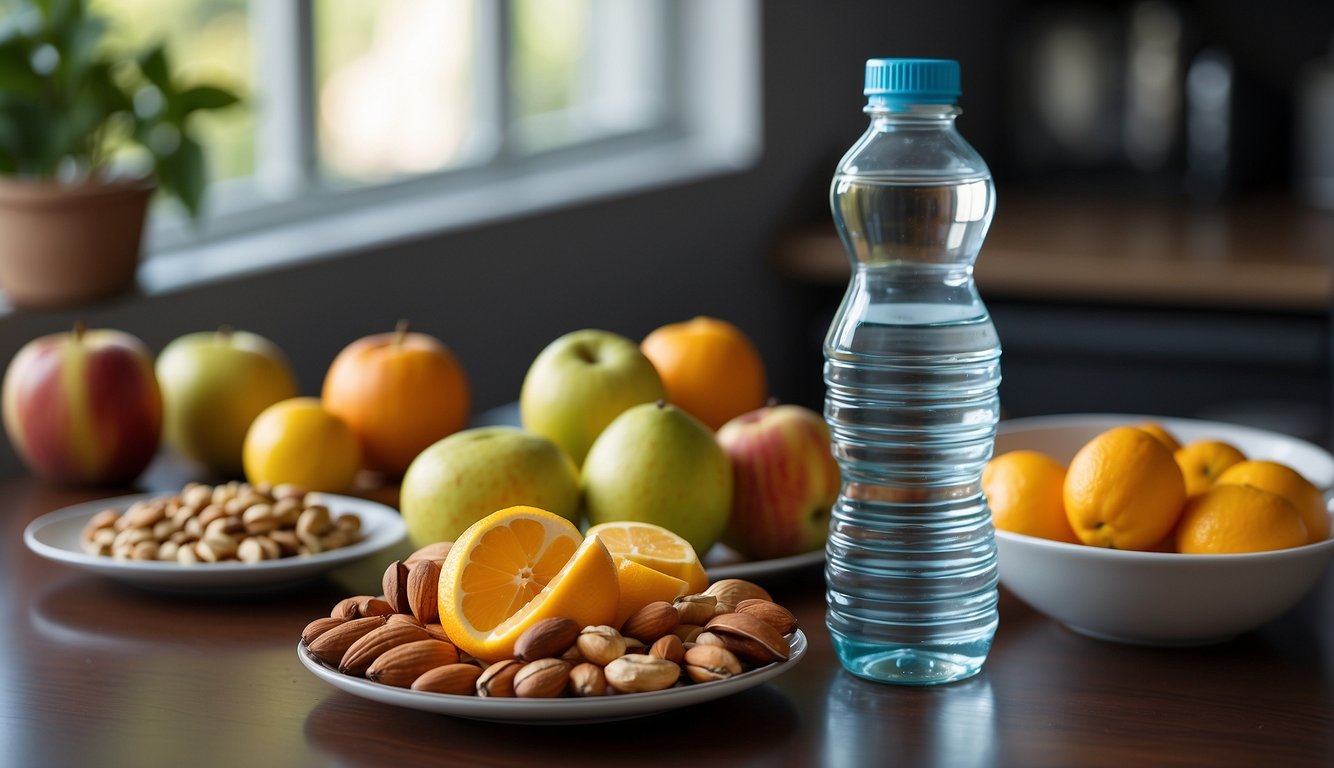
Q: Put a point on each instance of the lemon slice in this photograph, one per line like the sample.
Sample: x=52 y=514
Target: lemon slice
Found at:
x=516 y=567
x=656 y=547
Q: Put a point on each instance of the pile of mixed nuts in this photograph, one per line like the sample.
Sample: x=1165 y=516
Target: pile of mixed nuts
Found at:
x=397 y=640
x=209 y=524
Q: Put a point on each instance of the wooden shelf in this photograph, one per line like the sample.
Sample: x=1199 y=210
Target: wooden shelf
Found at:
x=1266 y=254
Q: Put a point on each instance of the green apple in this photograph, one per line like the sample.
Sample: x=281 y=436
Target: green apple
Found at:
x=214 y=384
x=657 y=464
x=580 y=382
x=470 y=474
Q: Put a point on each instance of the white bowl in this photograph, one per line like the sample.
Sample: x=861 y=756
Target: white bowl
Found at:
x=1157 y=598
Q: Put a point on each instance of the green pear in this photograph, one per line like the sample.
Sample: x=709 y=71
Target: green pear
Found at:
x=470 y=474
x=657 y=464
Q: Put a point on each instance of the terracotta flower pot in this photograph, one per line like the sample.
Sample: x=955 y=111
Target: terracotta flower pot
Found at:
x=65 y=245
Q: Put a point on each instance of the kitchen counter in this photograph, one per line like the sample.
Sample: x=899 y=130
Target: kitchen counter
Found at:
x=93 y=672
x=1262 y=254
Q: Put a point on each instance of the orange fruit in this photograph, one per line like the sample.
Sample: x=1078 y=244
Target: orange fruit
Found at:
x=1159 y=431
x=1286 y=482
x=1202 y=461
x=297 y=441
x=1024 y=491
x=400 y=392
x=640 y=585
x=656 y=547
x=516 y=567
x=709 y=368
x=1123 y=490
x=1239 y=518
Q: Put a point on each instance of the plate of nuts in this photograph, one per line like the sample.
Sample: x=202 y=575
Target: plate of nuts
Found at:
x=392 y=649
x=224 y=538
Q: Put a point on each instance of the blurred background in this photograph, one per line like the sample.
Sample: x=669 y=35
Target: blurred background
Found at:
x=1165 y=172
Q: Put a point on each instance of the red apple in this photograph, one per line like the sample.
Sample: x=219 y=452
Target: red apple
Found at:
x=83 y=408
x=785 y=481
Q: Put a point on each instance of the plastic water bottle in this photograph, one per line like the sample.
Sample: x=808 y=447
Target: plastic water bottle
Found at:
x=912 y=366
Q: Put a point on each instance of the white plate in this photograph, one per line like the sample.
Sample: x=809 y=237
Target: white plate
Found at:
x=55 y=536
x=622 y=706
x=724 y=563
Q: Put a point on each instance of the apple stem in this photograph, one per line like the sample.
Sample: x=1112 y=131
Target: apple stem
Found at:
x=225 y=332
x=662 y=403
x=400 y=332
x=80 y=327
x=771 y=402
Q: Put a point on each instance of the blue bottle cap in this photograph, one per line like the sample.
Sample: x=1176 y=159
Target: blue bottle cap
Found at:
x=896 y=82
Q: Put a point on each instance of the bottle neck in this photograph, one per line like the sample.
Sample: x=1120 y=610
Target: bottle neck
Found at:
x=884 y=112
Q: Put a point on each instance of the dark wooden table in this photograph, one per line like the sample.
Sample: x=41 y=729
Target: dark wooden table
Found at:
x=94 y=673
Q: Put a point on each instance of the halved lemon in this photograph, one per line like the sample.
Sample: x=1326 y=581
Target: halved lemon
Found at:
x=516 y=567
x=656 y=547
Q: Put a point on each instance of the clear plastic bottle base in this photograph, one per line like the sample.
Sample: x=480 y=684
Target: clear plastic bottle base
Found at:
x=909 y=666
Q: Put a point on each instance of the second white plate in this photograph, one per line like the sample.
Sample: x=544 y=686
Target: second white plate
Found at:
x=56 y=536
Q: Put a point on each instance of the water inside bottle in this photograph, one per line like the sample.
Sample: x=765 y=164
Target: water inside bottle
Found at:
x=912 y=369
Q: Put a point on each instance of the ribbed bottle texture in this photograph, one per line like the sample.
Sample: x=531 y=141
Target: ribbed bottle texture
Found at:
x=912 y=367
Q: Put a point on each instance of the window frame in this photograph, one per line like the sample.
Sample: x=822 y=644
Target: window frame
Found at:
x=712 y=126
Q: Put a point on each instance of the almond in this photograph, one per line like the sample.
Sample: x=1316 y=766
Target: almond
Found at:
x=547 y=638
x=437 y=551
x=668 y=647
x=395 y=585
x=330 y=646
x=318 y=627
x=423 y=590
x=402 y=665
x=587 y=679
x=456 y=679
x=770 y=613
x=751 y=639
x=374 y=644
x=651 y=622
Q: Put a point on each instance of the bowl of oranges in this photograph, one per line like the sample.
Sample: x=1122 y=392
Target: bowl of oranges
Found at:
x=1154 y=530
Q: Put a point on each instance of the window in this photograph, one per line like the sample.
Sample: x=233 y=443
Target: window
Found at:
x=367 y=121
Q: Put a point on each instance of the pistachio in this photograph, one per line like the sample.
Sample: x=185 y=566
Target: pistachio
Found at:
x=424 y=590
x=705 y=663
x=695 y=609
x=708 y=638
x=640 y=673
x=770 y=613
x=733 y=591
x=651 y=622
x=751 y=639
x=688 y=632
x=395 y=586
x=497 y=680
x=549 y=637
x=330 y=645
x=374 y=644
x=600 y=644
x=587 y=679
x=402 y=665
x=457 y=679
x=543 y=678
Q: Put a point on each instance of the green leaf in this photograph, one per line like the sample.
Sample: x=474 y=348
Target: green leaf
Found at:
x=181 y=175
x=203 y=97
x=154 y=66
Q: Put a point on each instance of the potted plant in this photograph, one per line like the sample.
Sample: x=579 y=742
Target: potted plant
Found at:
x=87 y=134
